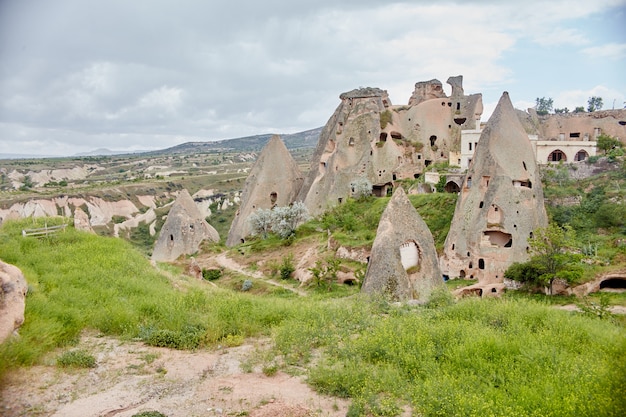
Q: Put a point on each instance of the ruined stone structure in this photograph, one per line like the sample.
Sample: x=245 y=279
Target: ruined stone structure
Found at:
x=403 y=263
x=184 y=230
x=367 y=137
x=500 y=203
x=274 y=180
x=13 y=289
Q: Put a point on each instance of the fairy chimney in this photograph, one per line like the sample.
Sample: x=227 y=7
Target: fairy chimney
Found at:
x=274 y=180
x=184 y=230
x=403 y=263
x=500 y=203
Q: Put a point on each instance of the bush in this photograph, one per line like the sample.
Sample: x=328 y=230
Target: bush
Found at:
x=385 y=118
x=149 y=414
x=76 y=359
x=286 y=267
x=247 y=285
x=211 y=274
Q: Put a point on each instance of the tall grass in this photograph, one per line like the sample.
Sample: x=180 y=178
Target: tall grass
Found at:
x=81 y=281
x=509 y=357
x=478 y=357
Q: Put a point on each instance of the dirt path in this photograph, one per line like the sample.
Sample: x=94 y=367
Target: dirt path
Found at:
x=131 y=377
x=224 y=261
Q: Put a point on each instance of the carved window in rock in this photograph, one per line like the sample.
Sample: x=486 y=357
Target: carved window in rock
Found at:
x=485 y=181
x=500 y=239
x=581 y=155
x=409 y=255
x=383 y=137
x=468 y=182
x=522 y=183
x=556 y=156
x=273 y=198
x=494 y=215
x=481 y=263
x=433 y=139
x=351 y=142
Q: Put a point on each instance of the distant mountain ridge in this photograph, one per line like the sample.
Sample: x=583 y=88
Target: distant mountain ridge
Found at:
x=305 y=139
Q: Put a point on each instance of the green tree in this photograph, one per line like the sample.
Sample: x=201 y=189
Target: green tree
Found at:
x=564 y=110
x=551 y=258
x=594 y=104
x=544 y=105
x=579 y=109
x=607 y=143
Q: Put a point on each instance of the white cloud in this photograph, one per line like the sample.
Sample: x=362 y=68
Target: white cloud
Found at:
x=611 y=51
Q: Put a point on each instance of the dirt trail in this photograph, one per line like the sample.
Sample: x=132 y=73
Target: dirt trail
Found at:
x=131 y=377
x=224 y=261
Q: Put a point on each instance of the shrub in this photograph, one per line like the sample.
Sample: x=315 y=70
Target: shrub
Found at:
x=247 y=285
x=76 y=359
x=211 y=274
x=286 y=267
x=385 y=118
x=149 y=414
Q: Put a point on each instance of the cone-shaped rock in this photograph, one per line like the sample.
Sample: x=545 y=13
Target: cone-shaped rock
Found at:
x=403 y=263
x=274 y=180
x=184 y=229
x=500 y=204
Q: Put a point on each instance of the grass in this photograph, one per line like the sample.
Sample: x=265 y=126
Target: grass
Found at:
x=512 y=356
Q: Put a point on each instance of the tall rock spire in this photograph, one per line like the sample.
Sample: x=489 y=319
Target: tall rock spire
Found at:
x=184 y=230
x=274 y=180
x=500 y=204
x=403 y=263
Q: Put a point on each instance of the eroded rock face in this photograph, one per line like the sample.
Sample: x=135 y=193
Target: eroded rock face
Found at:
x=13 y=289
x=274 y=180
x=367 y=137
x=81 y=221
x=403 y=263
x=500 y=203
x=184 y=230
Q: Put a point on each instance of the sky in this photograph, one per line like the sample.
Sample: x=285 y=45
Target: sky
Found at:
x=128 y=75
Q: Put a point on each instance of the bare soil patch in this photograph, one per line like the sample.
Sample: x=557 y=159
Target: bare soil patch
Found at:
x=131 y=377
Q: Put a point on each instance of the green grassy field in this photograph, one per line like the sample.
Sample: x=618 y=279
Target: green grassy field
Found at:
x=508 y=357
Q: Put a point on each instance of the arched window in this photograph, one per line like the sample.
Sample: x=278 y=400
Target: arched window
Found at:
x=556 y=156
x=581 y=155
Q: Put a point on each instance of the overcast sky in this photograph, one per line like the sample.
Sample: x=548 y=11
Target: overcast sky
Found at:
x=77 y=75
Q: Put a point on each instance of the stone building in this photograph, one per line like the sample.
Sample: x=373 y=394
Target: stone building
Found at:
x=500 y=202
x=403 y=262
x=183 y=231
x=274 y=180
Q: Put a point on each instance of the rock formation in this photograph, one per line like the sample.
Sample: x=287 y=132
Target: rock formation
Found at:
x=274 y=180
x=367 y=137
x=81 y=221
x=13 y=289
x=403 y=263
x=500 y=203
x=184 y=229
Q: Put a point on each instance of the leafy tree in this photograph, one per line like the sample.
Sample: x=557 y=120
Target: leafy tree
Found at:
x=551 y=258
x=594 y=103
x=287 y=219
x=607 y=143
x=281 y=220
x=579 y=109
x=325 y=275
x=563 y=110
x=544 y=105
x=361 y=188
x=261 y=222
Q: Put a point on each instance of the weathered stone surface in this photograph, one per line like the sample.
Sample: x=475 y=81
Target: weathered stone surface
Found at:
x=369 y=138
x=500 y=203
x=13 y=289
x=184 y=230
x=404 y=261
x=274 y=180
x=427 y=90
x=81 y=221
x=194 y=269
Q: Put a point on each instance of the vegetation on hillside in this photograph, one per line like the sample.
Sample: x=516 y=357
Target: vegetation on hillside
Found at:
x=488 y=357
